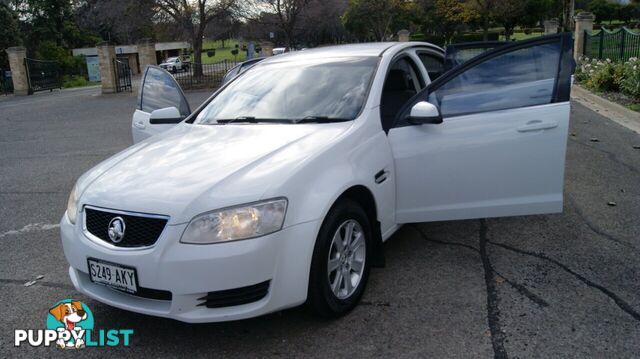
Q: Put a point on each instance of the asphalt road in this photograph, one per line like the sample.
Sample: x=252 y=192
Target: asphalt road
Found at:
x=562 y=285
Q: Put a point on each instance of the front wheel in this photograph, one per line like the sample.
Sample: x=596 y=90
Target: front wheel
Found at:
x=174 y=70
x=340 y=263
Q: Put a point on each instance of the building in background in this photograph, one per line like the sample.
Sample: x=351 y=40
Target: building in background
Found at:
x=129 y=53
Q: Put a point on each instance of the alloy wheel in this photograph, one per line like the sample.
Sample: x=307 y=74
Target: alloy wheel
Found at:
x=347 y=255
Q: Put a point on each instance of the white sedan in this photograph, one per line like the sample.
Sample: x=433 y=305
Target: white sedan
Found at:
x=281 y=188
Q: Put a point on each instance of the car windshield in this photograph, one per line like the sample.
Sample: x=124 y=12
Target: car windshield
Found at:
x=171 y=59
x=333 y=88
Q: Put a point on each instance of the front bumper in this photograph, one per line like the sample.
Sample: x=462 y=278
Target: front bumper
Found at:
x=190 y=271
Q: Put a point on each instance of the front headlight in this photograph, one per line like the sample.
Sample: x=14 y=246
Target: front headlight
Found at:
x=72 y=206
x=235 y=223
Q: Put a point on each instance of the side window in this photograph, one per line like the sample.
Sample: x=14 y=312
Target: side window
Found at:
x=519 y=78
x=160 y=90
x=402 y=83
x=432 y=63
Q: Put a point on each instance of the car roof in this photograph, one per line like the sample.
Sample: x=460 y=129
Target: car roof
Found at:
x=350 y=50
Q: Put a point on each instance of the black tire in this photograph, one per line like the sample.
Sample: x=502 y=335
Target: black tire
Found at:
x=321 y=298
x=174 y=70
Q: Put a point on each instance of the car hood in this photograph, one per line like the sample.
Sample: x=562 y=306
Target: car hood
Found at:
x=192 y=169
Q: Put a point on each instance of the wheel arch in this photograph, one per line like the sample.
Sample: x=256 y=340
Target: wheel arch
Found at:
x=365 y=198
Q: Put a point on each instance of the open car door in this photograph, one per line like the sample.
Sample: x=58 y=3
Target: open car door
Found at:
x=458 y=54
x=488 y=138
x=161 y=104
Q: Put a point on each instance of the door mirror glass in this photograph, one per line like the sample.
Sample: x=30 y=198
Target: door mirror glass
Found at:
x=165 y=115
x=424 y=113
x=160 y=90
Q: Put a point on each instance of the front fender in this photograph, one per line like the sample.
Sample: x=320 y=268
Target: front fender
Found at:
x=352 y=161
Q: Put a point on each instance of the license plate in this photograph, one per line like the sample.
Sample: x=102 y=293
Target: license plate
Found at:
x=113 y=275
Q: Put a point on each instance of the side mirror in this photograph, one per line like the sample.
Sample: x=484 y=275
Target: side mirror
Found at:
x=165 y=115
x=424 y=113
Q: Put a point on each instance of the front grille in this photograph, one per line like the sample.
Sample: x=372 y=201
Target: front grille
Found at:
x=148 y=293
x=237 y=296
x=156 y=294
x=140 y=230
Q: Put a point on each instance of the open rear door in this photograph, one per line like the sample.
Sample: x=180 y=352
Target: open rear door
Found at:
x=500 y=147
x=158 y=90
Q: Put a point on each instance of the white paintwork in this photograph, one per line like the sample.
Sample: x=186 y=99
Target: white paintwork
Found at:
x=424 y=109
x=479 y=165
x=482 y=165
x=165 y=113
x=141 y=128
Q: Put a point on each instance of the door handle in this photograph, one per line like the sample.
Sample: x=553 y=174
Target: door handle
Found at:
x=139 y=125
x=537 y=125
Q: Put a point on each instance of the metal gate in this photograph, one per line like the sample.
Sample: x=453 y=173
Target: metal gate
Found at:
x=6 y=82
x=42 y=75
x=123 y=75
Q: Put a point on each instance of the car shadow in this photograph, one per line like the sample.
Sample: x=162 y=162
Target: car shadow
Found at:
x=292 y=327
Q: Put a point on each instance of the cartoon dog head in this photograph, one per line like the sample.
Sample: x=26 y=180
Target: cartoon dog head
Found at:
x=69 y=314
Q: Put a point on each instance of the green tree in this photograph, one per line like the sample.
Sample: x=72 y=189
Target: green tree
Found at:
x=628 y=12
x=447 y=16
x=367 y=19
x=482 y=10
x=603 y=10
x=193 y=17
x=9 y=34
x=509 y=14
x=536 y=11
x=118 y=21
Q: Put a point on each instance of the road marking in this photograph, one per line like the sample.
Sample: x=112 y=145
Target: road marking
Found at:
x=31 y=227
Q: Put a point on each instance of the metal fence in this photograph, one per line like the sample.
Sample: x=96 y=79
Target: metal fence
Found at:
x=199 y=76
x=619 y=45
x=42 y=75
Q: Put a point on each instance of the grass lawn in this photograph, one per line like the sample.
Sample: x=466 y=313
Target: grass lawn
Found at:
x=522 y=36
x=222 y=53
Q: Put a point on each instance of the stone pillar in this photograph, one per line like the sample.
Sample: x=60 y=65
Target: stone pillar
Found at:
x=146 y=53
x=403 y=35
x=584 y=22
x=267 y=48
x=18 y=71
x=106 y=55
x=551 y=26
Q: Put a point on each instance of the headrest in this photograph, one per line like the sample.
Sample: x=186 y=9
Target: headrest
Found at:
x=397 y=80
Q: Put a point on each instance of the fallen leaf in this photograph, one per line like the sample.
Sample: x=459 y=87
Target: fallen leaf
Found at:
x=30 y=283
x=595 y=139
x=612 y=204
x=636 y=147
x=40 y=276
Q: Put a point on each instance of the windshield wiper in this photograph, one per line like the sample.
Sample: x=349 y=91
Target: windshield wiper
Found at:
x=308 y=119
x=321 y=119
x=251 y=119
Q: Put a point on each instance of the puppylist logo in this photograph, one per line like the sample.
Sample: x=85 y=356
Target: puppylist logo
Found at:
x=70 y=326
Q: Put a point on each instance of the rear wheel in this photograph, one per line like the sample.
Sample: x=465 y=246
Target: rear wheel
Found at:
x=340 y=264
x=174 y=70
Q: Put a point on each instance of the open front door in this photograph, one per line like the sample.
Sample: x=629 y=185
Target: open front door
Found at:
x=500 y=149
x=158 y=91
x=458 y=54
